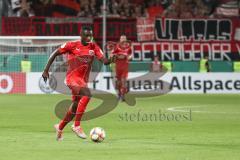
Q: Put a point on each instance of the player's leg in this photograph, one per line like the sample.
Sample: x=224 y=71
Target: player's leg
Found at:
x=123 y=81
x=124 y=88
x=119 y=72
x=68 y=117
x=82 y=104
x=71 y=112
x=118 y=86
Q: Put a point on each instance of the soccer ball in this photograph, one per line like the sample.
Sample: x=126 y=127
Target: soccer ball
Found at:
x=97 y=134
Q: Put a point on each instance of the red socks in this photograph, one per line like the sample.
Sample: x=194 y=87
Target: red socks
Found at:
x=68 y=117
x=70 y=114
x=123 y=91
x=81 y=109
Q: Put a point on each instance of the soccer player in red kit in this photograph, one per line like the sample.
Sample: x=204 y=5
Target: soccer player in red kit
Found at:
x=121 y=54
x=80 y=55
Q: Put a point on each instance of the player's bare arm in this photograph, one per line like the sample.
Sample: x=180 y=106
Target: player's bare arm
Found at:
x=45 y=73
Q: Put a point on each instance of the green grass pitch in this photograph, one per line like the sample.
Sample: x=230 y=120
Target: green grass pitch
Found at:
x=211 y=133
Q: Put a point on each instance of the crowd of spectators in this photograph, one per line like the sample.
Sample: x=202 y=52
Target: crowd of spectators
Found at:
x=115 y=8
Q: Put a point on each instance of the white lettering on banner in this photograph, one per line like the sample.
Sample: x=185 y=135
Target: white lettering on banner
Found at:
x=9 y=84
x=165 y=50
x=137 y=54
x=197 y=29
x=147 y=52
x=183 y=51
x=176 y=48
x=196 y=51
x=216 y=53
x=187 y=56
x=217 y=38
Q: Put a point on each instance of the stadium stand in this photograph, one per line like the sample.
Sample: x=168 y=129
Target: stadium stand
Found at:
x=116 y=8
x=121 y=8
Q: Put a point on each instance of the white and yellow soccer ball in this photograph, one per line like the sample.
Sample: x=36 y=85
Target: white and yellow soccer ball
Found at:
x=97 y=134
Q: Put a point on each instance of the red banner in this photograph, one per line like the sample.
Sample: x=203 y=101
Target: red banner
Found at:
x=197 y=30
x=12 y=83
x=174 y=38
x=145 y=29
x=188 y=39
x=40 y=26
x=115 y=28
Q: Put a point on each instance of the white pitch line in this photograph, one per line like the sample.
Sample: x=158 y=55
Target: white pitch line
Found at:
x=181 y=109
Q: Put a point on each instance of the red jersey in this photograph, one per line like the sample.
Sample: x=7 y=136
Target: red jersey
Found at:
x=80 y=60
x=121 y=61
x=122 y=54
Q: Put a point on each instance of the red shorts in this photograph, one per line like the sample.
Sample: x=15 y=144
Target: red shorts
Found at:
x=75 y=87
x=121 y=70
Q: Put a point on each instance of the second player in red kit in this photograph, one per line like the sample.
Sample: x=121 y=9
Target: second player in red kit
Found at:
x=80 y=55
x=122 y=53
